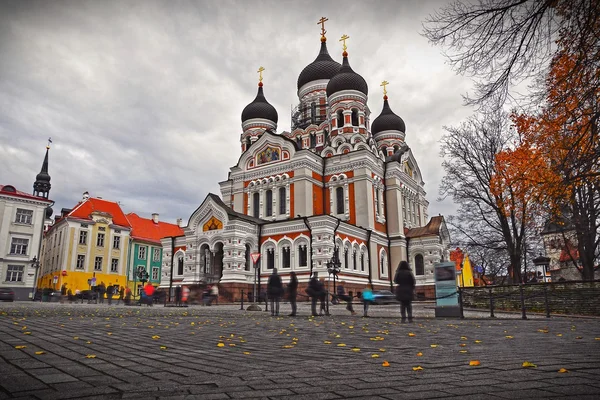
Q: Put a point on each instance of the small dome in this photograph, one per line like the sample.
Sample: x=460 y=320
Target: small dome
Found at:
x=259 y=108
x=49 y=212
x=347 y=79
x=324 y=67
x=43 y=176
x=387 y=121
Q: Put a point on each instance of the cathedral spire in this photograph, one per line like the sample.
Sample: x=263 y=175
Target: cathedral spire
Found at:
x=41 y=186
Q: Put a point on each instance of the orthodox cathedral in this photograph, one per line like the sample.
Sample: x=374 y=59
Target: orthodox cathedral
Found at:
x=339 y=186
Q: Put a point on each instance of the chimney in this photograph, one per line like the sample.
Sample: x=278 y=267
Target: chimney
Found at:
x=155 y=218
x=179 y=222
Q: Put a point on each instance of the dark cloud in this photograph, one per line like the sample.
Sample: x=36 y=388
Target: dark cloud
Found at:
x=143 y=98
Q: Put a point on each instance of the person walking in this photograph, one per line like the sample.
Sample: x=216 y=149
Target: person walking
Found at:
x=405 y=280
x=149 y=292
x=109 y=293
x=274 y=291
x=341 y=293
x=177 y=296
x=314 y=291
x=293 y=292
x=121 y=295
x=367 y=297
x=127 y=300
x=214 y=294
x=101 y=292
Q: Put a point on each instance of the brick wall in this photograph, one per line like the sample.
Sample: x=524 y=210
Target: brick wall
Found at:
x=577 y=298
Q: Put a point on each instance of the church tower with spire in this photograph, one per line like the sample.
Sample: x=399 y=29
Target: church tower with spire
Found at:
x=41 y=186
x=333 y=188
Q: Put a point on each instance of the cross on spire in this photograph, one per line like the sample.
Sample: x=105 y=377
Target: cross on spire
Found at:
x=49 y=141
x=343 y=39
x=260 y=71
x=384 y=83
x=323 y=31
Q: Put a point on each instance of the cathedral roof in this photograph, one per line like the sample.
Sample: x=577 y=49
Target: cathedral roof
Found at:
x=324 y=67
x=347 y=79
x=234 y=214
x=387 y=120
x=259 y=108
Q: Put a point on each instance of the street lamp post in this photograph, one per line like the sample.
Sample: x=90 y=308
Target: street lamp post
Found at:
x=333 y=268
x=35 y=263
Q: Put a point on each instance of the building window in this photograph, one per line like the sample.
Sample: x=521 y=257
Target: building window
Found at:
x=14 y=273
x=269 y=203
x=313 y=140
x=354 y=263
x=270 y=259
x=59 y=237
x=155 y=272
x=100 y=240
x=313 y=113
x=419 y=265
x=302 y=255
x=80 y=261
x=282 y=201
x=346 y=258
x=340 y=119
x=354 y=117
x=286 y=257
x=362 y=262
x=83 y=237
x=116 y=242
x=114 y=265
x=156 y=255
x=180 y=266
x=339 y=200
x=98 y=264
x=256 y=205
x=142 y=253
x=19 y=246
x=248 y=258
x=24 y=216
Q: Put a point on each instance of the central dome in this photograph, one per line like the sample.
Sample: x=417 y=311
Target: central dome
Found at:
x=347 y=79
x=260 y=108
x=324 y=67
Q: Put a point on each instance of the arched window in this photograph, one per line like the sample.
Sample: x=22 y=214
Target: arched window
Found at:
x=362 y=262
x=286 y=259
x=340 y=119
x=282 y=201
x=339 y=200
x=302 y=255
x=248 y=142
x=299 y=141
x=419 y=265
x=180 y=266
x=396 y=148
x=376 y=201
x=269 y=203
x=270 y=258
x=354 y=263
x=256 y=205
x=248 y=259
x=313 y=140
x=313 y=113
x=346 y=259
x=354 y=117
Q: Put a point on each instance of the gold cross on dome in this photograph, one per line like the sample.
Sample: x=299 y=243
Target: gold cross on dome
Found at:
x=343 y=39
x=384 y=83
x=49 y=141
x=260 y=71
x=322 y=23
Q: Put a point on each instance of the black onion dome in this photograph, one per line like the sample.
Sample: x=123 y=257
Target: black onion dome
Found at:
x=259 y=108
x=387 y=121
x=49 y=212
x=347 y=79
x=324 y=67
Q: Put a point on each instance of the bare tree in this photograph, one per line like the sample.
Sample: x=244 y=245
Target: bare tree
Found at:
x=469 y=152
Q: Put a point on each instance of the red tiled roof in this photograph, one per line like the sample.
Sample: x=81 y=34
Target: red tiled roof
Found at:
x=432 y=228
x=6 y=190
x=85 y=209
x=147 y=229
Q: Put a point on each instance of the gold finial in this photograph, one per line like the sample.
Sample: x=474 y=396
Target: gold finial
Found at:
x=343 y=39
x=323 y=31
x=49 y=141
x=260 y=71
x=384 y=83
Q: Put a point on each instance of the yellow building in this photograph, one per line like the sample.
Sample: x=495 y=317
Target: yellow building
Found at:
x=86 y=242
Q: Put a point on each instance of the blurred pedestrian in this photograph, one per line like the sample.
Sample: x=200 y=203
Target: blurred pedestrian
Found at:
x=149 y=292
x=405 y=280
x=367 y=297
x=109 y=293
x=293 y=292
x=322 y=297
x=341 y=293
x=214 y=293
x=313 y=291
x=177 y=296
x=274 y=291
x=101 y=292
x=121 y=295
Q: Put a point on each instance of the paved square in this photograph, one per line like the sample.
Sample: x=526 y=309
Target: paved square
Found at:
x=76 y=351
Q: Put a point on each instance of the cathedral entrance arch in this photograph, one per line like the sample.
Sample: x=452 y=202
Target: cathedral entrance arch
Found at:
x=217 y=263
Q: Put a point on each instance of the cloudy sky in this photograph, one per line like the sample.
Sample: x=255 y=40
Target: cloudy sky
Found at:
x=143 y=98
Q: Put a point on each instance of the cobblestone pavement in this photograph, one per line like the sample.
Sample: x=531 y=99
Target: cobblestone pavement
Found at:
x=83 y=351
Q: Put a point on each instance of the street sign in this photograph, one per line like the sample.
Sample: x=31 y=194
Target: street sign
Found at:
x=255 y=257
x=55 y=279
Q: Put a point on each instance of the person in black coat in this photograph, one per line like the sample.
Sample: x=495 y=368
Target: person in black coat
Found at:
x=314 y=292
x=274 y=291
x=293 y=292
x=404 y=291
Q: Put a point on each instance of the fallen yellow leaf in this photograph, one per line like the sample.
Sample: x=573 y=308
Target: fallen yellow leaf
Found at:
x=109 y=333
x=463 y=351
x=88 y=342
x=375 y=356
x=462 y=344
x=478 y=341
x=509 y=337
x=385 y=364
x=419 y=354
x=382 y=350
x=341 y=345
x=434 y=345
x=90 y=356
x=463 y=338
x=26 y=333
x=411 y=334
x=563 y=370
x=20 y=347
x=231 y=344
x=417 y=368
x=288 y=346
x=40 y=352
x=220 y=344
x=528 y=364
x=356 y=349
x=327 y=342
x=163 y=347
x=76 y=337
x=474 y=363
x=155 y=337
x=246 y=352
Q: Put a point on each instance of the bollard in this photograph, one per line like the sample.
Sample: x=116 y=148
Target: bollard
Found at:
x=491 y=304
x=242 y=304
x=546 y=301
x=460 y=303
x=523 y=315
